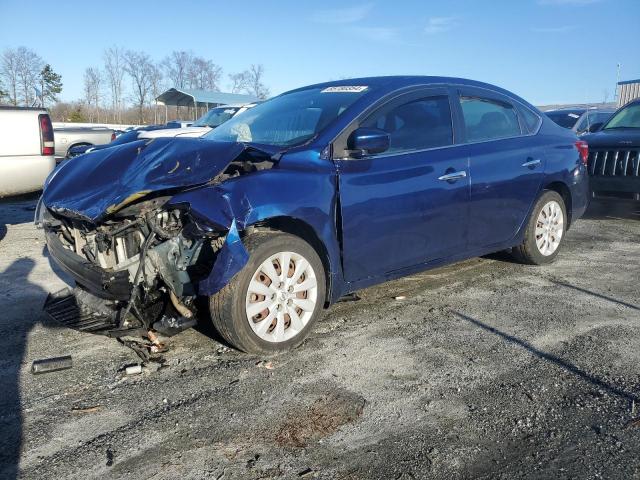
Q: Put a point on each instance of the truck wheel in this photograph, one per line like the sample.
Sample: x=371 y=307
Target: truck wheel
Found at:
x=544 y=231
x=271 y=304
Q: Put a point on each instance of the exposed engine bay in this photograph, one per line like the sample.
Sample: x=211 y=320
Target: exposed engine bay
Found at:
x=139 y=269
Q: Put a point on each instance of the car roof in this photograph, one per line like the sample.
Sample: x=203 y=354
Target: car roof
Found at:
x=394 y=82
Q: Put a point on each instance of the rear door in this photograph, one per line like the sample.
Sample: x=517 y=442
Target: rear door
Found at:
x=399 y=208
x=506 y=167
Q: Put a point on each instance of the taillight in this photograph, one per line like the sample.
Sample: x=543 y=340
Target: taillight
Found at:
x=583 y=150
x=113 y=136
x=47 y=146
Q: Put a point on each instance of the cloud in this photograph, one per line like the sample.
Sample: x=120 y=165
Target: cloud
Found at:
x=568 y=2
x=343 y=15
x=560 y=29
x=440 y=24
x=376 y=34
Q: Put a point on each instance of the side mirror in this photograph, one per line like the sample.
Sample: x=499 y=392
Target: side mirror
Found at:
x=594 y=127
x=368 y=141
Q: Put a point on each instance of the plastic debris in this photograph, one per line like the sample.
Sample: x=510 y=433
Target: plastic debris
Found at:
x=133 y=370
x=51 y=364
x=400 y=297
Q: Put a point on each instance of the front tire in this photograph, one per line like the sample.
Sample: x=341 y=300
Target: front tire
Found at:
x=266 y=308
x=545 y=231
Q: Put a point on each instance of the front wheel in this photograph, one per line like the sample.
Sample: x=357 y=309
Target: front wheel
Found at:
x=271 y=304
x=545 y=231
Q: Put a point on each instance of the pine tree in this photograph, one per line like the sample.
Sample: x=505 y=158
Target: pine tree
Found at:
x=50 y=83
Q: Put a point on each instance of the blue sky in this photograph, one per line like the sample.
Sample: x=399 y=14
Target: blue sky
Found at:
x=548 y=51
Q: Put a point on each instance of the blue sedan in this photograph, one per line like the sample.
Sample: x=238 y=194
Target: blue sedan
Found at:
x=316 y=193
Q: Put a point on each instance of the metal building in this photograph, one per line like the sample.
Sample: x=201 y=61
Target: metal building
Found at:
x=200 y=100
x=627 y=91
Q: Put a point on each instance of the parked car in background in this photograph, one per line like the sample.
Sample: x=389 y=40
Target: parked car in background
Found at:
x=122 y=138
x=26 y=149
x=592 y=120
x=614 y=155
x=313 y=194
x=179 y=123
x=566 y=117
x=581 y=120
x=212 y=119
x=69 y=137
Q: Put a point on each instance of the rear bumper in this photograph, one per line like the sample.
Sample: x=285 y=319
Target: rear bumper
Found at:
x=627 y=187
x=102 y=283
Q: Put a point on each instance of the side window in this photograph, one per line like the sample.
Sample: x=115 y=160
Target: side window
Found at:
x=415 y=125
x=530 y=120
x=487 y=119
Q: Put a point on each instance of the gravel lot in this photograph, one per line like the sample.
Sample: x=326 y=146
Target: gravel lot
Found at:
x=488 y=369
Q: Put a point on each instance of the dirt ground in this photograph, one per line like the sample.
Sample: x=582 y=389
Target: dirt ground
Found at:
x=488 y=369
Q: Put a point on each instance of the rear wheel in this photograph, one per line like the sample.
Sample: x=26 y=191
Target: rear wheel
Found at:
x=271 y=304
x=544 y=232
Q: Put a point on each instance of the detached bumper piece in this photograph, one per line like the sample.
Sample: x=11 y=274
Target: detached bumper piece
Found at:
x=80 y=310
x=100 y=282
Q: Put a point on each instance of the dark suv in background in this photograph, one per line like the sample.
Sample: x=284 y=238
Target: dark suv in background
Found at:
x=614 y=155
x=581 y=120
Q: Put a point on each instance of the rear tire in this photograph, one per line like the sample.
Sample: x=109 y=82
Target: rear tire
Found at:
x=265 y=309
x=544 y=232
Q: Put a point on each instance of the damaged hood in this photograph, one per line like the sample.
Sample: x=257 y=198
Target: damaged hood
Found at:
x=92 y=187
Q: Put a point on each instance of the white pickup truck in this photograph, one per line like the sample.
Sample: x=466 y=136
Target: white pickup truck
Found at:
x=26 y=149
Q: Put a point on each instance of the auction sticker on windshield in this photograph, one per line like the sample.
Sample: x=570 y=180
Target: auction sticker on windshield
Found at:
x=345 y=89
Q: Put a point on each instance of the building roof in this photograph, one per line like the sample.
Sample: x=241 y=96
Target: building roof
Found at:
x=626 y=82
x=187 y=97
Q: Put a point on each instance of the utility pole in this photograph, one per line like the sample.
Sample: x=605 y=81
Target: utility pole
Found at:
x=615 y=97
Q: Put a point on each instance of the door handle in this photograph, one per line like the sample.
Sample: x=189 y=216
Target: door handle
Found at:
x=531 y=163
x=452 y=177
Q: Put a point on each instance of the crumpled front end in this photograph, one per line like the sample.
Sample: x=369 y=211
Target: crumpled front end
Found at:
x=140 y=271
x=140 y=266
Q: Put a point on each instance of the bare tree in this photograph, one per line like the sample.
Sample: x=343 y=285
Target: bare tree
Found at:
x=9 y=69
x=204 y=74
x=29 y=67
x=92 y=92
x=20 y=69
x=238 y=82
x=156 y=78
x=114 y=67
x=139 y=67
x=177 y=66
x=250 y=81
x=254 y=82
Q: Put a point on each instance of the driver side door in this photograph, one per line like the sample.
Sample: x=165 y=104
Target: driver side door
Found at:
x=408 y=205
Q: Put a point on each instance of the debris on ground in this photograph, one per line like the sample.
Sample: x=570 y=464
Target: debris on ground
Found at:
x=133 y=370
x=350 y=297
x=54 y=364
x=110 y=456
x=263 y=364
x=400 y=297
x=92 y=409
x=146 y=351
x=306 y=473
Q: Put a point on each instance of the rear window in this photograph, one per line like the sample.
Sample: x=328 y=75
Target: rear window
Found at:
x=488 y=119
